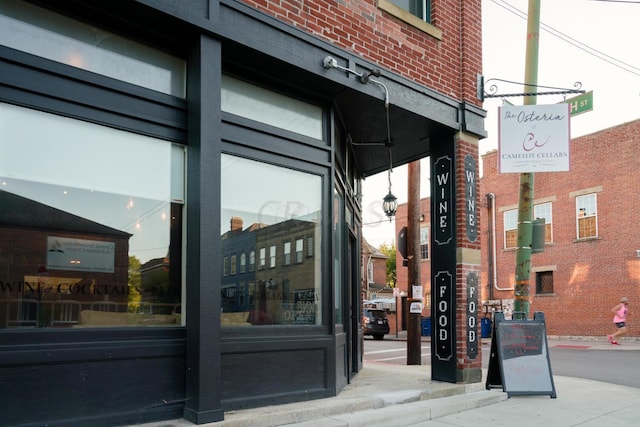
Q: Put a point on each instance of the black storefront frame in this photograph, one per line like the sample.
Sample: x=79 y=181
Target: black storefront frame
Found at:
x=170 y=345
x=60 y=364
x=289 y=343
x=208 y=25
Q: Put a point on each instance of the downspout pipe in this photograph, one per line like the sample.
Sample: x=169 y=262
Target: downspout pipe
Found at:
x=367 y=278
x=491 y=198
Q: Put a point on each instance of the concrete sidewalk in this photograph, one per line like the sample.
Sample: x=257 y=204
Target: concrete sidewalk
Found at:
x=390 y=395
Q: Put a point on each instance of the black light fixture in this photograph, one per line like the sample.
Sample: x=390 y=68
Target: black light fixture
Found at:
x=390 y=202
x=390 y=205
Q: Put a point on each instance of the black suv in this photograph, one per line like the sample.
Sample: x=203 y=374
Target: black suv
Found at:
x=375 y=323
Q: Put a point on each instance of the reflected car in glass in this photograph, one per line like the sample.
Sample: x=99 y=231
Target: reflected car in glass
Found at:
x=375 y=323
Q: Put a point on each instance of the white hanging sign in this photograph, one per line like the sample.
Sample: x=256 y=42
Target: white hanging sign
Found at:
x=533 y=138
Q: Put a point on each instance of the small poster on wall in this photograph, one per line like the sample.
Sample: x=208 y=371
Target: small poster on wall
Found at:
x=80 y=255
x=416 y=292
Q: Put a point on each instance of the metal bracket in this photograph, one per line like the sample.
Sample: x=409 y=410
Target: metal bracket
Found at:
x=493 y=89
x=330 y=62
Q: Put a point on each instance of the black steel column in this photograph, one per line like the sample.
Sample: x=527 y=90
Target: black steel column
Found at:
x=203 y=376
x=443 y=260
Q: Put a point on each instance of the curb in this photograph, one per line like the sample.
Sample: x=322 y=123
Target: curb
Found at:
x=409 y=413
x=397 y=408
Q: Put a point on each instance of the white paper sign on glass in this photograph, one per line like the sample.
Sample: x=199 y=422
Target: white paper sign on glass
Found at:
x=80 y=254
x=533 y=138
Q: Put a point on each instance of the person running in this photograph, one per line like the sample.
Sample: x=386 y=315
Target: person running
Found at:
x=620 y=320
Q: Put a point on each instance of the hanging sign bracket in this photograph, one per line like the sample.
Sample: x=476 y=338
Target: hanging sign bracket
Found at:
x=493 y=89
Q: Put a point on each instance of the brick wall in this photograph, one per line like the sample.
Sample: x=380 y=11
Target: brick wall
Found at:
x=590 y=275
x=402 y=273
x=379 y=270
x=448 y=65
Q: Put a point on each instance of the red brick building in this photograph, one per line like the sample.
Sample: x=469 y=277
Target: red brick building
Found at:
x=402 y=271
x=374 y=272
x=592 y=252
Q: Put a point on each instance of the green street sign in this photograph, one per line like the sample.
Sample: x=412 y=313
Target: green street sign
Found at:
x=580 y=104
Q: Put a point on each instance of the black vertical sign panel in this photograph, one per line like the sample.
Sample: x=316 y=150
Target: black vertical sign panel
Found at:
x=471 y=216
x=472 y=315
x=443 y=261
x=444 y=334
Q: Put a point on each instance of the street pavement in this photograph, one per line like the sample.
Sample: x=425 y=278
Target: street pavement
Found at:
x=389 y=395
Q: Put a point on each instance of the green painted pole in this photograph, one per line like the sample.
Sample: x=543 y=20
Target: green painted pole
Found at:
x=525 y=201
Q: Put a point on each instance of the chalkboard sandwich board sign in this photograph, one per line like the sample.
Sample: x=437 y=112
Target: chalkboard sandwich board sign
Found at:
x=519 y=360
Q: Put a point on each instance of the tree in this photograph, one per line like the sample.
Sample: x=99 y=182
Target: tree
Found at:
x=390 y=251
x=135 y=295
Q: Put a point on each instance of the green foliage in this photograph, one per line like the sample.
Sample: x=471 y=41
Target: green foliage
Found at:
x=390 y=251
x=134 y=280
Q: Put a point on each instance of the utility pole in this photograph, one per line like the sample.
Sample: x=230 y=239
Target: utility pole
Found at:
x=413 y=222
x=525 y=201
x=414 y=341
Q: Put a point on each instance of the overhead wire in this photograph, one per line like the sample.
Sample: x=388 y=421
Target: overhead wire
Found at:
x=572 y=41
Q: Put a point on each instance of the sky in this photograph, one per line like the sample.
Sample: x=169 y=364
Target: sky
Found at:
x=593 y=42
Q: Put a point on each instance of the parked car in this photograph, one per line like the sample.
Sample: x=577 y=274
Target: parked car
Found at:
x=375 y=323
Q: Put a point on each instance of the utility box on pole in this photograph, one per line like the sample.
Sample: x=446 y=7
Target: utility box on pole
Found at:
x=538 y=236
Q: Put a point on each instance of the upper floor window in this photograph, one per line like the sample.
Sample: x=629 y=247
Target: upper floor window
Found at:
x=272 y=256
x=225 y=267
x=286 y=254
x=419 y=8
x=263 y=259
x=243 y=263
x=587 y=216
x=49 y=35
x=370 y=271
x=299 y=251
x=416 y=13
x=543 y=210
x=252 y=261
x=309 y=246
x=424 y=242
x=233 y=265
x=511 y=229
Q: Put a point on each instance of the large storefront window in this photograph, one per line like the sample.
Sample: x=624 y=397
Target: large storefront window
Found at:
x=40 y=32
x=91 y=224
x=270 y=211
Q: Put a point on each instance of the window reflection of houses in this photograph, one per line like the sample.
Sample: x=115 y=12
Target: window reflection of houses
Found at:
x=67 y=264
x=238 y=283
x=269 y=273
x=158 y=293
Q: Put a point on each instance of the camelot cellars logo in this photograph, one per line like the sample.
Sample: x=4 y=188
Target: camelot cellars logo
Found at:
x=534 y=138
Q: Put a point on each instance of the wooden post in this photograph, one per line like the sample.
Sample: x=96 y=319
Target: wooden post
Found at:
x=414 y=342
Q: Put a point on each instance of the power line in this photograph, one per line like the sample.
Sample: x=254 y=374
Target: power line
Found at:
x=619 y=1
x=570 y=40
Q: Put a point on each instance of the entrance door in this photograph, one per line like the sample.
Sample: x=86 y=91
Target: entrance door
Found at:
x=354 y=328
